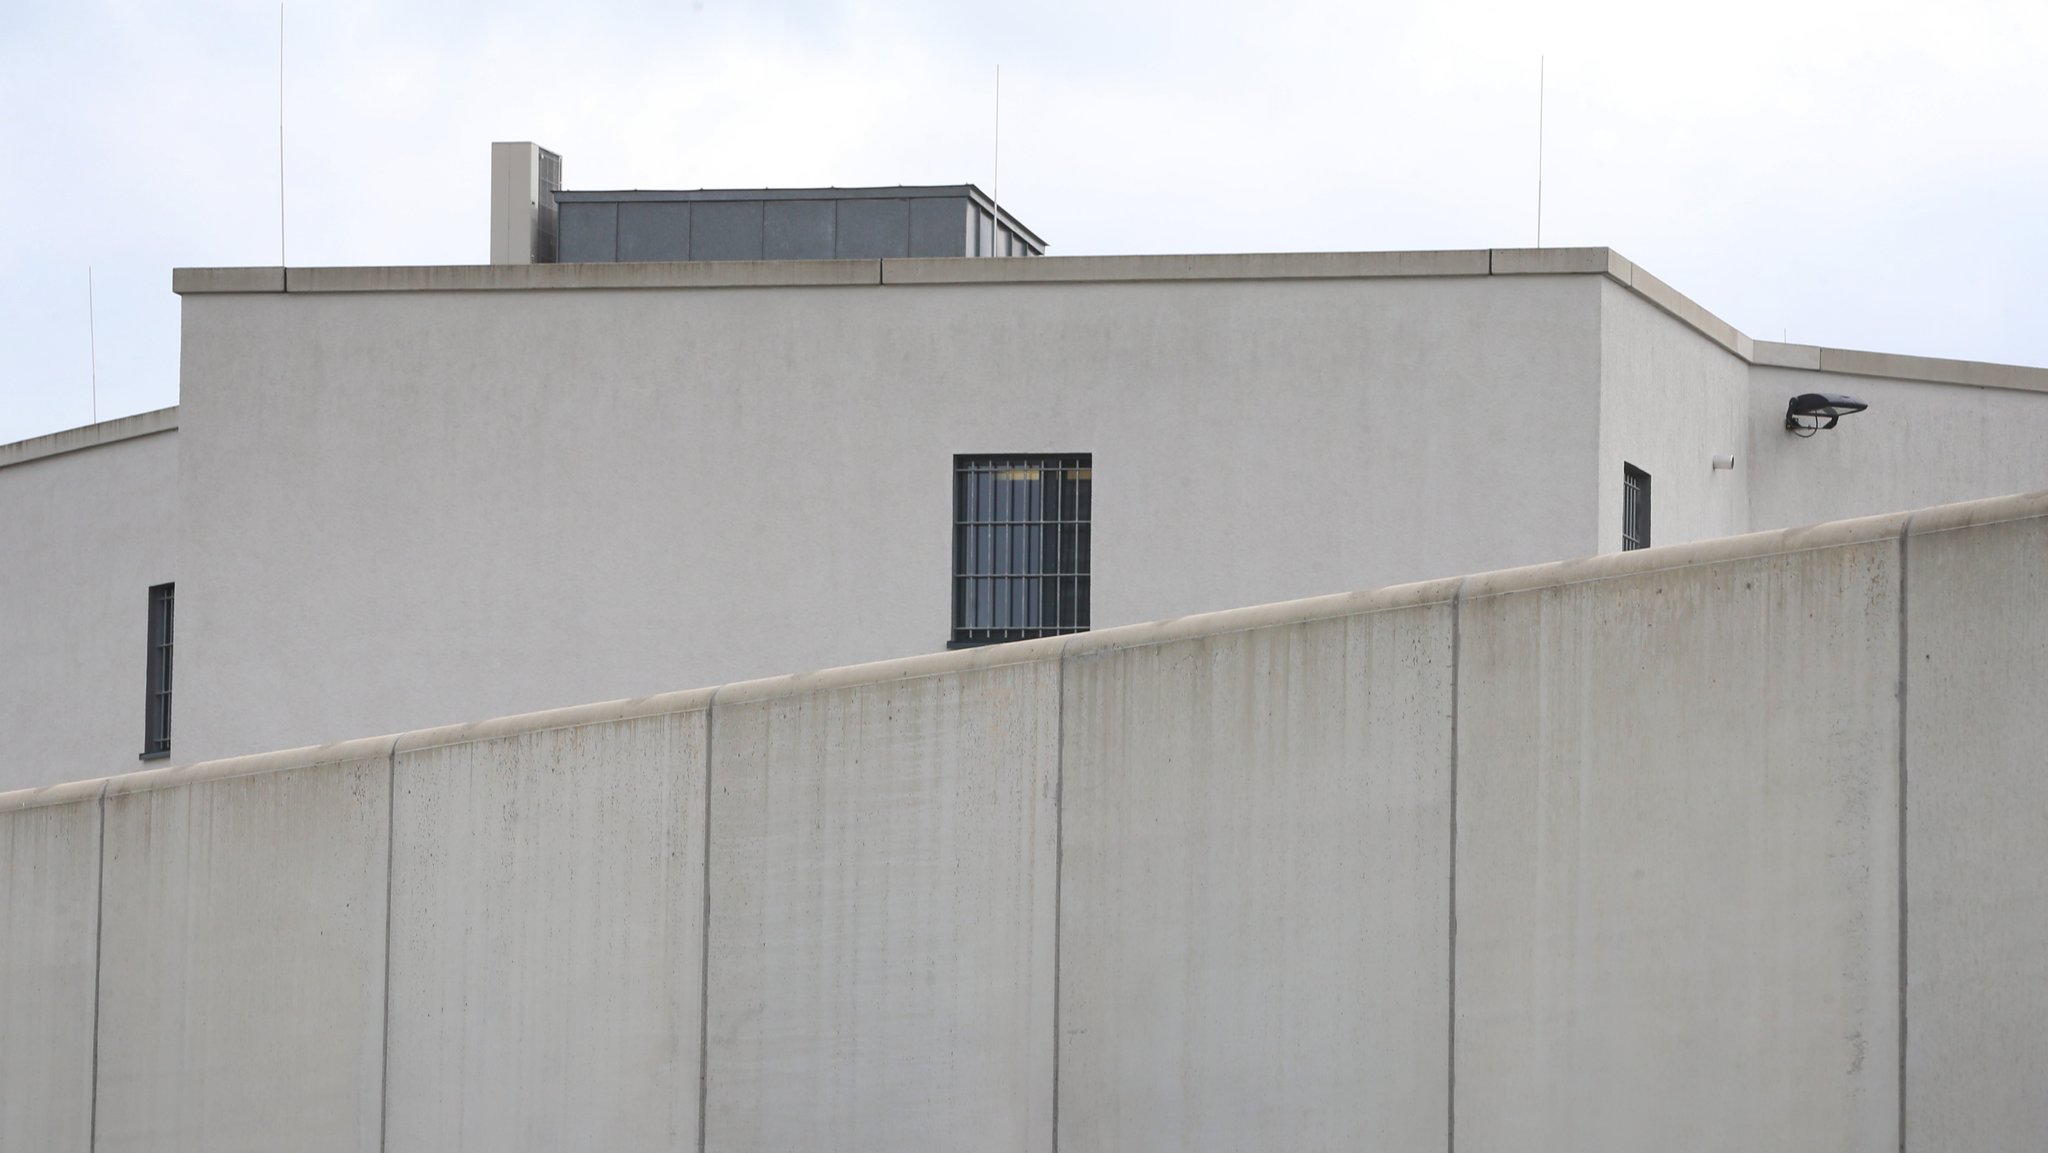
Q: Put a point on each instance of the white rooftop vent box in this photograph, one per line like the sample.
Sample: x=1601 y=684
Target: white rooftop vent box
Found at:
x=525 y=223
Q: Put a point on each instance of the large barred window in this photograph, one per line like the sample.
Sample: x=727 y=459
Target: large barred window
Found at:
x=1020 y=547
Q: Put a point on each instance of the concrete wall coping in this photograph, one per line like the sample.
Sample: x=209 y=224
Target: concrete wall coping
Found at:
x=53 y=796
x=550 y=720
x=1973 y=513
x=1981 y=374
x=90 y=436
x=203 y=281
x=531 y=277
x=1749 y=546
x=1276 y=614
x=1609 y=566
x=1773 y=354
x=1694 y=554
x=253 y=765
x=1194 y=266
x=1115 y=269
x=892 y=671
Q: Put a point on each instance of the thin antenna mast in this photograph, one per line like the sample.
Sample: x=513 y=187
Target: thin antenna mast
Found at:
x=1539 y=150
x=92 y=344
x=996 y=195
x=280 y=135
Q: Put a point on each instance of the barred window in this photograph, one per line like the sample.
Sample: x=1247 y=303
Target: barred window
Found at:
x=1635 y=507
x=156 y=708
x=1020 y=547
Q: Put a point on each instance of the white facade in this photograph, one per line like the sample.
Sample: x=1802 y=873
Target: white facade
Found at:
x=415 y=496
x=88 y=523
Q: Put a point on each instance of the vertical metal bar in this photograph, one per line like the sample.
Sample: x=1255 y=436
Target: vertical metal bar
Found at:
x=164 y=712
x=163 y=718
x=1057 y=558
x=963 y=546
x=149 y=678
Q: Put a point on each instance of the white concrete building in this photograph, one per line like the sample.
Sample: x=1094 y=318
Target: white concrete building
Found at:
x=392 y=498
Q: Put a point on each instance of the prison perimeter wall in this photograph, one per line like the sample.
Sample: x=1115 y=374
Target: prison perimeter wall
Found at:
x=1729 y=845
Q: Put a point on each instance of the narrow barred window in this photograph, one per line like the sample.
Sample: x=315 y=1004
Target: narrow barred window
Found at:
x=1020 y=546
x=156 y=723
x=1635 y=507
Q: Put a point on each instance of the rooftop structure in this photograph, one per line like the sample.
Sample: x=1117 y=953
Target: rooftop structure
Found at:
x=534 y=220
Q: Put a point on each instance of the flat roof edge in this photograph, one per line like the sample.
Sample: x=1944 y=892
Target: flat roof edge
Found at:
x=716 y=195
x=975 y=194
x=1981 y=374
x=199 y=281
x=90 y=436
x=1889 y=527
x=1192 y=266
x=1898 y=366
x=543 y=277
x=1111 y=269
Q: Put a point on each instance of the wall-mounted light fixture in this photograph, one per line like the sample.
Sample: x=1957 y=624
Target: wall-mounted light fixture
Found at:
x=1724 y=460
x=1815 y=405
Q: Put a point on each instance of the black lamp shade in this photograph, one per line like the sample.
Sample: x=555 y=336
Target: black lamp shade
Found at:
x=1832 y=405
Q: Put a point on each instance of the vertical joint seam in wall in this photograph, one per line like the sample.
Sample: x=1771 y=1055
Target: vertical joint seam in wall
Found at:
x=390 y=858
x=1905 y=539
x=99 y=933
x=1059 y=856
x=1451 y=900
x=704 y=939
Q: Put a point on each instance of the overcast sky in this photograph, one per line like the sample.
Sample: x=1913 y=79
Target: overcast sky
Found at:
x=1867 y=175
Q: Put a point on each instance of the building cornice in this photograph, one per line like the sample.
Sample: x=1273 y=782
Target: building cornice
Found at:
x=90 y=436
x=1113 y=269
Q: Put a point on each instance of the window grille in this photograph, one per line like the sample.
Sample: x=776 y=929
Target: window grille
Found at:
x=1635 y=507
x=1020 y=547
x=156 y=724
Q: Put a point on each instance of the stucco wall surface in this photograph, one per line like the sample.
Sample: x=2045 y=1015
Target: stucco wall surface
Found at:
x=1919 y=444
x=607 y=494
x=1255 y=864
x=1976 y=826
x=87 y=533
x=1670 y=401
x=883 y=880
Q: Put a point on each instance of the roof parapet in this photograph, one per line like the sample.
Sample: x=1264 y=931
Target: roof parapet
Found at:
x=1126 y=269
x=90 y=436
